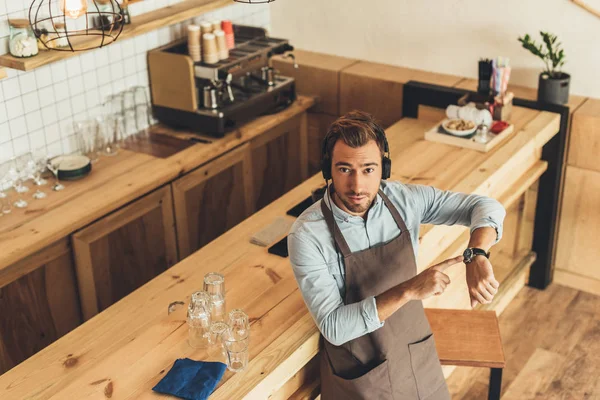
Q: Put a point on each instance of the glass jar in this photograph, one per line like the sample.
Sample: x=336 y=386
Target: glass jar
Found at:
x=22 y=42
x=61 y=39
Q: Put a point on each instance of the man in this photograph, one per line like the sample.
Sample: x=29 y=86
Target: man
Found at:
x=353 y=254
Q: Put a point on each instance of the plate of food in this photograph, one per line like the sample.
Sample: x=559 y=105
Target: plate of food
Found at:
x=459 y=127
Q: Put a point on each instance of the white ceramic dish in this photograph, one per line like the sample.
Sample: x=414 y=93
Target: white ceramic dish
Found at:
x=457 y=132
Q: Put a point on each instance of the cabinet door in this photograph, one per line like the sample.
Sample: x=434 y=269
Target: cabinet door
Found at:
x=122 y=251
x=38 y=303
x=279 y=160
x=212 y=199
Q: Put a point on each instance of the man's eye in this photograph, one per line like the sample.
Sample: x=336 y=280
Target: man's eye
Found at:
x=369 y=170
x=344 y=170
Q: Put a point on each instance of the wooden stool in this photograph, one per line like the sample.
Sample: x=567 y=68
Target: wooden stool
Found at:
x=469 y=338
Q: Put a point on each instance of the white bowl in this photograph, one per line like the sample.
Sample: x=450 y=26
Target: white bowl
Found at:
x=456 y=132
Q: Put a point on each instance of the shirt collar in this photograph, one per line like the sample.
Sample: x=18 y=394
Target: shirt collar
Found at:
x=341 y=215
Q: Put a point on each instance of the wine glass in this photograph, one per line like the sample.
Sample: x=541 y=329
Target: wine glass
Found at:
x=21 y=171
x=40 y=159
x=53 y=167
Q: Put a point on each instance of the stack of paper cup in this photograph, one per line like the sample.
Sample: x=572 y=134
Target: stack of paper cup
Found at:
x=229 y=37
x=221 y=44
x=216 y=25
x=194 y=43
x=210 y=52
x=206 y=27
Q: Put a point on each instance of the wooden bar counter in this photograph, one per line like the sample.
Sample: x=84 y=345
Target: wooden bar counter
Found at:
x=125 y=350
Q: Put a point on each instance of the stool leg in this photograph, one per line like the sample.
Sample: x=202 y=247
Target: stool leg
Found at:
x=495 y=384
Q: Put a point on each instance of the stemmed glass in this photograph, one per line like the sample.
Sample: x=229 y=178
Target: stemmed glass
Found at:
x=53 y=167
x=4 y=206
x=19 y=172
x=40 y=159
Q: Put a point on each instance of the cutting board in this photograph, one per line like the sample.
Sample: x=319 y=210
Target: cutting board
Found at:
x=433 y=135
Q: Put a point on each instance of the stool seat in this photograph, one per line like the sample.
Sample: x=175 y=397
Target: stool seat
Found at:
x=467 y=337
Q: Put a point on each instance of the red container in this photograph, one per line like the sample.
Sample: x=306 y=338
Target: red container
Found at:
x=227 y=27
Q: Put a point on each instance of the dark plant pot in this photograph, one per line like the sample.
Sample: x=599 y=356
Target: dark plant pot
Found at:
x=553 y=90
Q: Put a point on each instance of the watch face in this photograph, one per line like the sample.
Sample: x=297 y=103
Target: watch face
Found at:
x=468 y=254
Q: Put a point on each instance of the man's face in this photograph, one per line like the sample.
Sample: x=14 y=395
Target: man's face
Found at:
x=356 y=174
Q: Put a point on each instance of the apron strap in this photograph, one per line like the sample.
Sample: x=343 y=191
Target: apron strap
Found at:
x=338 y=238
x=394 y=211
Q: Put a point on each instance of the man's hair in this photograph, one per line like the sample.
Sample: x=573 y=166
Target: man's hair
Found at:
x=356 y=129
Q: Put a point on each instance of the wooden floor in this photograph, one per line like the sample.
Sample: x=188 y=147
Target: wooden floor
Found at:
x=552 y=346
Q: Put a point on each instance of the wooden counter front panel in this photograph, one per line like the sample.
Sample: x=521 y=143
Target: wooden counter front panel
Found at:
x=212 y=199
x=279 y=160
x=318 y=124
x=40 y=306
x=122 y=251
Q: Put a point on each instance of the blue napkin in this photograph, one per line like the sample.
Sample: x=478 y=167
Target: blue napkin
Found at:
x=191 y=380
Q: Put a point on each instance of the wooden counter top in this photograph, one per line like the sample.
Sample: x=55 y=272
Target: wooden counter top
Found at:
x=114 y=182
x=127 y=349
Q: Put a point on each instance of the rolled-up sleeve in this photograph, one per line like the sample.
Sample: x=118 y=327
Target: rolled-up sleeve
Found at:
x=442 y=207
x=338 y=322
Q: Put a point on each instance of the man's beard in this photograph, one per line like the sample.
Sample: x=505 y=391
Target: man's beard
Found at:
x=357 y=208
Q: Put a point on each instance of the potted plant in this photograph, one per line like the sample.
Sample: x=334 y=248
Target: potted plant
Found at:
x=553 y=84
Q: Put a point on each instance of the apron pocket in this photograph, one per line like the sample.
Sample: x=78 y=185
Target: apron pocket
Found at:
x=374 y=384
x=426 y=366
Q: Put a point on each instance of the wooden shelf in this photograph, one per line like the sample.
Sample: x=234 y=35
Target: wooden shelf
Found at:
x=141 y=24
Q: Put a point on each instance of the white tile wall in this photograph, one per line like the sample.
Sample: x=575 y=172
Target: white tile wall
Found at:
x=37 y=108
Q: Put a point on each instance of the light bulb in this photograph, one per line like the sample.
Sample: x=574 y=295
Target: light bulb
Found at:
x=73 y=8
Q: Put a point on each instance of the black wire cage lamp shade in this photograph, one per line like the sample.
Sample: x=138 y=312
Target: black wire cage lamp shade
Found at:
x=76 y=25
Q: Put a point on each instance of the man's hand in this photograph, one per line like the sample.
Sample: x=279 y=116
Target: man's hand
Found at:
x=431 y=281
x=480 y=281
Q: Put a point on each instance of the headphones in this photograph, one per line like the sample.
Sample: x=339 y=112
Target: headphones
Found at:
x=386 y=162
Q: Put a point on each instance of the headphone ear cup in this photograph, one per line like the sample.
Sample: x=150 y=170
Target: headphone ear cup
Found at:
x=326 y=168
x=386 y=168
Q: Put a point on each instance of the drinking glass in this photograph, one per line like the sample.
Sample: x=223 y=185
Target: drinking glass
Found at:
x=112 y=133
x=142 y=120
x=40 y=159
x=89 y=139
x=21 y=171
x=130 y=124
x=4 y=178
x=214 y=285
x=217 y=330
x=5 y=207
x=236 y=352
x=198 y=319
x=239 y=324
x=53 y=167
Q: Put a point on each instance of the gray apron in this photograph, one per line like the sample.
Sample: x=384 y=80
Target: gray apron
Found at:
x=399 y=360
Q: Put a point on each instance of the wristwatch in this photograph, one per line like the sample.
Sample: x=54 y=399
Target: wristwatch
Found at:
x=470 y=253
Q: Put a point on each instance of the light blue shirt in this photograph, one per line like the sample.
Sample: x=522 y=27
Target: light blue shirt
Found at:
x=319 y=269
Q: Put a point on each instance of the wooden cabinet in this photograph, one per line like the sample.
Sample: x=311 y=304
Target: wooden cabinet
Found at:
x=38 y=303
x=122 y=251
x=279 y=160
x=212 y=199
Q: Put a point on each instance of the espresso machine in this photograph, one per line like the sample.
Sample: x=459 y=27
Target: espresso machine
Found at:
x=214 y=99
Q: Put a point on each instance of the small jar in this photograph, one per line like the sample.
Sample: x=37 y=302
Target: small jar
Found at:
x=61 y=40
x=22 y=42
x=105 y=15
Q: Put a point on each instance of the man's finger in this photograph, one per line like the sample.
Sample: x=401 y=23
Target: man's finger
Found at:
x=473 y=302
x=485 y=294
x=494 y=283
x=490 y=288
x=447 y=263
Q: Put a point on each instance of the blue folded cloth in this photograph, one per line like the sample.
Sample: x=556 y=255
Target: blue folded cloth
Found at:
x=192 y=380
